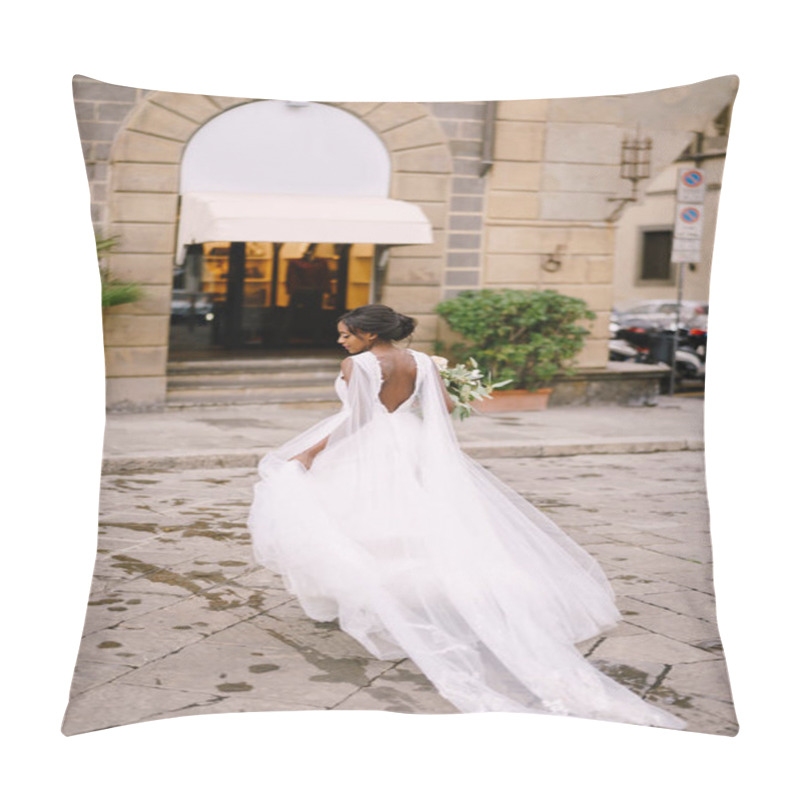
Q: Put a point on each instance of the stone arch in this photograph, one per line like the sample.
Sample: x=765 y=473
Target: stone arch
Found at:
x=144 y=177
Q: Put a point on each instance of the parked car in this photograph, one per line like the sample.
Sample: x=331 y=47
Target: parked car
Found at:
x=196 y=306
x=658 y=312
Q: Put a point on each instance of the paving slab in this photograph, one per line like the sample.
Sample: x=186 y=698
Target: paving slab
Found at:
x=214 y=633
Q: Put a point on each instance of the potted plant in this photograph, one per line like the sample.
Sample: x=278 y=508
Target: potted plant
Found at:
x=526 y=337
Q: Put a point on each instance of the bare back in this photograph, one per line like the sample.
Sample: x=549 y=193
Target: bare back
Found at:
x=399 y=373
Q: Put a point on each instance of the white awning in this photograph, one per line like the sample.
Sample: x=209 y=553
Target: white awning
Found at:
x=234 y=217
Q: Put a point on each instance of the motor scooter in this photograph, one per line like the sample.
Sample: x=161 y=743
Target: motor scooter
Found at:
x=653 y=344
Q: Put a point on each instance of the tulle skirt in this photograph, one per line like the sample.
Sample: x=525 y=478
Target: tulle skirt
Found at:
x=435 y=559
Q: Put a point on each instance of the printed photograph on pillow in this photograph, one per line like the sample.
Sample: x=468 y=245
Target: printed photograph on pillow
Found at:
x=404 y=406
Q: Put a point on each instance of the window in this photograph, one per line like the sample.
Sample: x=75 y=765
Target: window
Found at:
x=656 y=251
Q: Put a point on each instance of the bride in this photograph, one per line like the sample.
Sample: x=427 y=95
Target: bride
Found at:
x=375 y=517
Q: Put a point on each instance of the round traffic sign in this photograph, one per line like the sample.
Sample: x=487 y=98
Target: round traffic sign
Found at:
x=692 y=178
x=690 y=214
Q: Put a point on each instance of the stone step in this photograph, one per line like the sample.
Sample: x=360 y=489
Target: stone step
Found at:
x=254 y=365
x=298 y=399
x=235 y=380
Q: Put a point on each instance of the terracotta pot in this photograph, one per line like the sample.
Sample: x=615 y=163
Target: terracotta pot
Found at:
x=514 y=400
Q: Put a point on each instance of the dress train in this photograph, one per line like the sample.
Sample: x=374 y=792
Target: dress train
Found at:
x=420 y=552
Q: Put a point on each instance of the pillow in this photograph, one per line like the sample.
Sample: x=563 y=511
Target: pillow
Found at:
x=233 y=235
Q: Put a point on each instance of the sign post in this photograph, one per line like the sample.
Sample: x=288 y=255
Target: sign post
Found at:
x=686 y=239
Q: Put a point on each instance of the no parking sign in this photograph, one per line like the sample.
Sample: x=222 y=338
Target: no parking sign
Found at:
x=691 y=186
x=688 y=232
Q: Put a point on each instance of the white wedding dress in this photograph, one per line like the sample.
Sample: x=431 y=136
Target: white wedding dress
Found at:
x=420 y=552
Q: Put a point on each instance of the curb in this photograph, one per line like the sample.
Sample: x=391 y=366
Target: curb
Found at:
x=164 y=462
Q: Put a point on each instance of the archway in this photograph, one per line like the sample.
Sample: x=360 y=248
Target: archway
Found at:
x=144 y=183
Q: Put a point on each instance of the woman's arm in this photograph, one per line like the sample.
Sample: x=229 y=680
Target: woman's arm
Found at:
x=306 y=458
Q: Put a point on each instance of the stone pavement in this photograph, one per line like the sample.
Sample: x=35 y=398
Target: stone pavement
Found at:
x=233 y=436
x=180 y=621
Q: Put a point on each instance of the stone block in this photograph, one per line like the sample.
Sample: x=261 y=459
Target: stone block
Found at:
x=135 y=392
x=515 y=175
x=425 y=159
x=598 y=298
x=144 y=238
x=525 y=239
x=518 y=141
x=196 y=107
x=474 y=111
x=468 y=186
x=159 y=121
x=582 y=178
x=358 y=109
x=99 y=192
x=586 y=109
x=97 y=131
x=463 y=241
x=593 y=354
x=141 y=147
x=391 y=115
x=470 y=130
x=155 y=300
x=582 y=143
x=88 y=89
x=592 y=241
x=410 y=186
x=515 y=268
x=463 y=259
x=449 y=128
x=225 y=103
x=462 y=277
x=101 y=151
x=129 y=330
x=427 y=325
x=436 y=213
x=583 y=206
x=97 y=172
x=513 y=205
x=135 y=361
x=150 y=207
x=416 y=133
x=466 y=222
x=522 y=110
x=114 y=112
x=469 y=167
x=142 y=268
x=412 y=300
x=85 y=112
x=145 y=177
x=466 y=203
x=465 y=149
x=425 y=271
x=600 y=269
x=599 y=326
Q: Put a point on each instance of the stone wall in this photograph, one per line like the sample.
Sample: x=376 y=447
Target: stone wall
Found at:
x=537 y=219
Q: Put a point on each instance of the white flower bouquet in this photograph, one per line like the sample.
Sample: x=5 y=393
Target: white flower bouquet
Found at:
x=465 y=385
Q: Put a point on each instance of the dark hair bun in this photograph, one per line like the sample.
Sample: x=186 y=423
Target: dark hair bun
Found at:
x=405 y=326
x=380 y=319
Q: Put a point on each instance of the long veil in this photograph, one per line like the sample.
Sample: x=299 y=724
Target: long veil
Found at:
x=419 y=551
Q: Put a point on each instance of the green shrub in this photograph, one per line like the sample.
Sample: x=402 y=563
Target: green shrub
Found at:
x=112 y=291
x=527 y=337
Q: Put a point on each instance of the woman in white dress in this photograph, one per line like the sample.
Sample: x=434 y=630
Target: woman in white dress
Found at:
x=375 y=517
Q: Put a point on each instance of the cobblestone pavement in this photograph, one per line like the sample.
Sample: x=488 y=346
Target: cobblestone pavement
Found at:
x=180 y=621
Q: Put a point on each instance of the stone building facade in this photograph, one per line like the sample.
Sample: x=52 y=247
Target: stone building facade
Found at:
x=518 y=194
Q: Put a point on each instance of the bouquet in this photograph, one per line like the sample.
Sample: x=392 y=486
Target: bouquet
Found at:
x=464 y=384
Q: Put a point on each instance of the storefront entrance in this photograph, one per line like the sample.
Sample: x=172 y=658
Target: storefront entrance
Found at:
x=250 y=297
